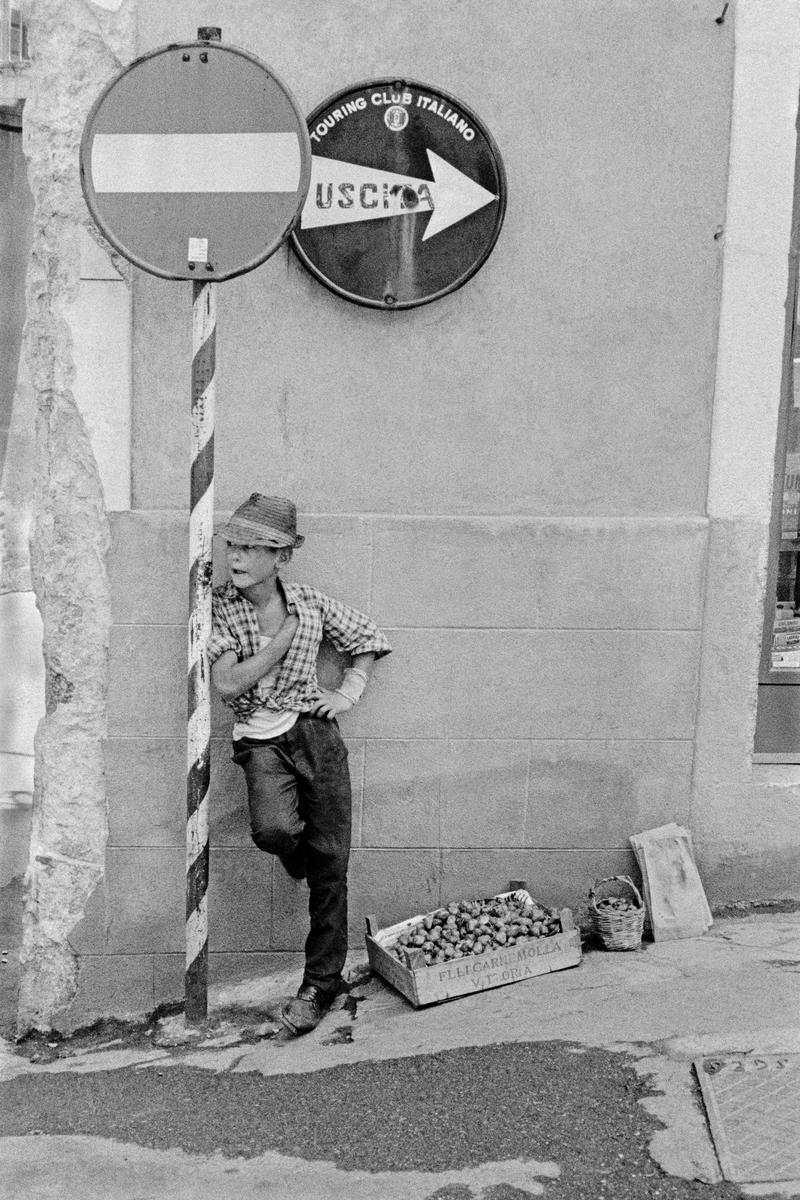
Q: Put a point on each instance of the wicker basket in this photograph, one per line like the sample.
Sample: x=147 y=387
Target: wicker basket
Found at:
x=618 y=930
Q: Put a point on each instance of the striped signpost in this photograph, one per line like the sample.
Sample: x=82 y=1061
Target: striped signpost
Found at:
x=195 y=164
x=201 y=532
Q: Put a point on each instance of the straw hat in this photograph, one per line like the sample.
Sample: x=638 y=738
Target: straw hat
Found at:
x=263 y=521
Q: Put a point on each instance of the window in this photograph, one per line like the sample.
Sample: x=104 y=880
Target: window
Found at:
x=785 y=644
x=13 y=34
x=778 y=719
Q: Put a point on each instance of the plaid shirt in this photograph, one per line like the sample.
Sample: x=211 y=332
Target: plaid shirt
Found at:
x=234 y=627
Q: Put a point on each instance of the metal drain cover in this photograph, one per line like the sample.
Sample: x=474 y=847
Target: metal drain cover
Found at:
x=753 y=1106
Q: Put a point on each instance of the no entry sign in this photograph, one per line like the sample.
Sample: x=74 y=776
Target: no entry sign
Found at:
x=195 y=161
x=407 y=194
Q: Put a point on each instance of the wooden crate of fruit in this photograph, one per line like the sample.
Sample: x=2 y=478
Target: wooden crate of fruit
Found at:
x=471 y=945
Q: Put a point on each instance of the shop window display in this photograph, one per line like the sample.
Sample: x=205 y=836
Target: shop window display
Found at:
x=785 y=647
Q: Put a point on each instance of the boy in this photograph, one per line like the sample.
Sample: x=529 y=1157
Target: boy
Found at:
x=263 y=651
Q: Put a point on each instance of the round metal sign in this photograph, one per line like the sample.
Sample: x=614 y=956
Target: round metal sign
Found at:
x=407 y=194
x=195 y=161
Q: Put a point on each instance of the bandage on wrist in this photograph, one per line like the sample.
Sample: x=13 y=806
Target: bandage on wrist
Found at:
x=352 y=685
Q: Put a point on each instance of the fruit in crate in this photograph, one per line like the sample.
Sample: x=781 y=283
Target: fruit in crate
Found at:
x=476 y=926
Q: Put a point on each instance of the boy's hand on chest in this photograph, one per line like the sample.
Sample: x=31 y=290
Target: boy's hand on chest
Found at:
x=271 y=617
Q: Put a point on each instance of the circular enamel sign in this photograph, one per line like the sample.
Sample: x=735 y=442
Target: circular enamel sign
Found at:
x=407 y=194
x=195 y=161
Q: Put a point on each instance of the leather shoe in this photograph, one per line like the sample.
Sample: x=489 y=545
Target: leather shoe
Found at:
x=304 y=1011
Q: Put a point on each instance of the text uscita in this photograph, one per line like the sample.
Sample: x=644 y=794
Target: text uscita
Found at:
x=370 y=195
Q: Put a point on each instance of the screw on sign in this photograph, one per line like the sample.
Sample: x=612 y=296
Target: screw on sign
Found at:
x=195 y=163
x=407 y=194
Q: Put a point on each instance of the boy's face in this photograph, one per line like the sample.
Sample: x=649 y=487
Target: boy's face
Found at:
x=250 y=566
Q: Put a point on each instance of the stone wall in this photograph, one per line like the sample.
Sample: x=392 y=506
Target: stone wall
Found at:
x=75 y=48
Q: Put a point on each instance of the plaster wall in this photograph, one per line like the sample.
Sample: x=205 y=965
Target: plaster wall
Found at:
x=512 y=480
x=746 y=814
x=574 y=374
x=100 y=320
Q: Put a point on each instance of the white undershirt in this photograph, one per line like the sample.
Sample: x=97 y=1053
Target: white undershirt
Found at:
x=265 y=723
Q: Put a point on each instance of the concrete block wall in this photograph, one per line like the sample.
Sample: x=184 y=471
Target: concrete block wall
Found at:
x=527 y=739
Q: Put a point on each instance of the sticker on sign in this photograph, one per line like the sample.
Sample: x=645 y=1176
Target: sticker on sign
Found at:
x=198 y=250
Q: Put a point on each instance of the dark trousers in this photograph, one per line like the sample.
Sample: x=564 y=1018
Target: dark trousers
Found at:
x=298 y=791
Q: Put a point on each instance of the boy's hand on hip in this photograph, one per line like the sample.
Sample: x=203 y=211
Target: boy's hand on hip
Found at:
x=330 y=704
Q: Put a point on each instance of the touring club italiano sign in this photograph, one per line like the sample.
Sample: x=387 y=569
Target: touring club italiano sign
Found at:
x=407 y=194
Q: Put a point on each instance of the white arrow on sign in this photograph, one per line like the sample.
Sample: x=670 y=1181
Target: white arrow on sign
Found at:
x=343 y=192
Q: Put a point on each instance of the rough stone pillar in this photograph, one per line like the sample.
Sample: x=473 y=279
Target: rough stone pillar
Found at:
x=76 y=46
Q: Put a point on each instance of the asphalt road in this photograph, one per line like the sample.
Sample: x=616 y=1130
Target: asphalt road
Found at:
x=548 y=1101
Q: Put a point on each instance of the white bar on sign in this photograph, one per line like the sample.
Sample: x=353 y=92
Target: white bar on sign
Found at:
x=195 y=162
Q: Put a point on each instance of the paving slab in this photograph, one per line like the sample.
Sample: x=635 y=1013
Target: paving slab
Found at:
x=154 y=1175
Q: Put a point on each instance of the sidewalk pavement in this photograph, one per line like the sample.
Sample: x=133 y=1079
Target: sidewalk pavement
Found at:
x=736 y=989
